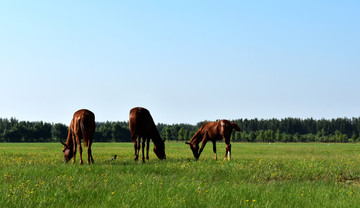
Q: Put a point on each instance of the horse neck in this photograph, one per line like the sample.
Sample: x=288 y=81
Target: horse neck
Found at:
x=196 y=139
x=157 y=139
x=69 y=140
x=158 y=142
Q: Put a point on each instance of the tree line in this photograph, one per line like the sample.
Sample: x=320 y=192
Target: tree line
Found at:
x=253 y=130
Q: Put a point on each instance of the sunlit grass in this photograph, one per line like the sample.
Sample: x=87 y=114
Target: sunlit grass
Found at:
x=259 y=175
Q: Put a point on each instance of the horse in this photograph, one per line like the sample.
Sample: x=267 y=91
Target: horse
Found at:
x=82 y=126
x=213 y=131
x=142 y=126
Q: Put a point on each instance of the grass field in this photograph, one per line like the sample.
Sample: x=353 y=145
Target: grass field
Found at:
x=259 y=175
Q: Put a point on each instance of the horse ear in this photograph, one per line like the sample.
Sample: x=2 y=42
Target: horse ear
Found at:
x=187 y=142
x=63 y=144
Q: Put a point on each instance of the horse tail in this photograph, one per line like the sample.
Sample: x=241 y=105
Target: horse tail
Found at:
x=84 y=129
x=81 y=131
x=235 y=126
x=88 y=126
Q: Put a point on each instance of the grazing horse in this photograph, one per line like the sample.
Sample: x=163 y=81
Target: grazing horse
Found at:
x=142 y=126
x=213 y=131
x=82 y=126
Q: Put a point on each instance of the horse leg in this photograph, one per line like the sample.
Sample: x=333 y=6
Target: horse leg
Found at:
x=214 y=149
x=137 y=148
x=74 y=153
x=142 y=150
x=74 y=148
x=229 y=155
x=134 y=140
x=227 y=148
x=202 y=147
x=147 y=148
x=228 y=152
x=80 y=152
x=204 y=141
x=90 y=158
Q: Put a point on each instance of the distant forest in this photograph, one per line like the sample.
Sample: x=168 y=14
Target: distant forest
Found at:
x=253 y=130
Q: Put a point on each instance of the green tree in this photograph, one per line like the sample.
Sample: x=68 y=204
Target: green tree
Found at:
x=167 y=133
x=181 y=134
x=59 y=132
x=186 y=135
x=42 y=131
x=353 y=138
x=237 y=137
x=117 y=132
x=106 y=132
x=261 y=136
x=252 y=137
x=278 y=137
x=269 y=136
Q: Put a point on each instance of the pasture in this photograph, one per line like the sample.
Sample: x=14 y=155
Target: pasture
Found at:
x=259 y=175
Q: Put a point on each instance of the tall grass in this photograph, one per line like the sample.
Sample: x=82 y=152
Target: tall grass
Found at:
x=259 y=175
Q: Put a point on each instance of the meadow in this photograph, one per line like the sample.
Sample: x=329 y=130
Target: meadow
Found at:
x=259 y=175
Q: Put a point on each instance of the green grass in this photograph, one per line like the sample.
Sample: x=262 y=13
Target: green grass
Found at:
x=259 y=175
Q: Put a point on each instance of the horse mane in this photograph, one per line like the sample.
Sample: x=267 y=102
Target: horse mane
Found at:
x=197 y=134
x=154 y=131
x=151 y=132
x=69 y=141
x=155 y=135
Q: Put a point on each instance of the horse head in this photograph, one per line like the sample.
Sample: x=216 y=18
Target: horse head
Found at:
x=159 y=149
x=68 y=152
x=195 y=149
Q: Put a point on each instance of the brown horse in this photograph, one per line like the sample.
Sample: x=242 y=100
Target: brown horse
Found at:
x=142 y=126
x=82 y=126
x=213 y=131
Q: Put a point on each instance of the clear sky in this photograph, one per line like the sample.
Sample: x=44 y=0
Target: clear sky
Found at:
x=185 y=61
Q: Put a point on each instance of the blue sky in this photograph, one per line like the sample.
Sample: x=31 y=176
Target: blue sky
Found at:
x=185 y=61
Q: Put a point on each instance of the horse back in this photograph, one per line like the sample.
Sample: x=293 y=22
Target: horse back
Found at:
x=83 y=125
x=142 y=124
x=219 y=129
